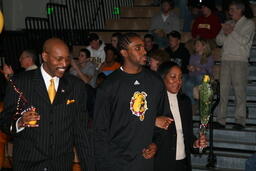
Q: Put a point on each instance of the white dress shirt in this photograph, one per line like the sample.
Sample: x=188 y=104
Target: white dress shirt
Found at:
x=180 y=146
x=47 y=79
x=47 y=82
x=165 y=17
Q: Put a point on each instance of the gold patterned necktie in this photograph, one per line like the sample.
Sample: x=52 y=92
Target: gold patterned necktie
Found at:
x=51 y=90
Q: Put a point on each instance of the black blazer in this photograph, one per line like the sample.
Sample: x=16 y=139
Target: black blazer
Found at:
x=61 y=127
x=2 y=86
x=166 y=154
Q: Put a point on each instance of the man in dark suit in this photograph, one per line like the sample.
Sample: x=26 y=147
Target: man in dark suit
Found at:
x=44 y=138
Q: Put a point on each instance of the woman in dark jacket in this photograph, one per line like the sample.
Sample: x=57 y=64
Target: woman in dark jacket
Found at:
x=177 y=141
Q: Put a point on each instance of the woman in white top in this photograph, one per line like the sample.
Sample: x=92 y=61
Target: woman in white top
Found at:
x=177 y=141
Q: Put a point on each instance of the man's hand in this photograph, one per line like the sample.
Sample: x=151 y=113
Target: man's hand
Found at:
x=191 y=68
x=74 y=64
x=29 y=119
x=7 y=71
x=163 y=122
x=227 y=28
x=160 y=32
x=150 y=151
x=201 y=142
x=198 y=68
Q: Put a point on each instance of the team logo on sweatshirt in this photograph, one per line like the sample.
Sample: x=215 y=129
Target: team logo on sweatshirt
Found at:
x=138 y=104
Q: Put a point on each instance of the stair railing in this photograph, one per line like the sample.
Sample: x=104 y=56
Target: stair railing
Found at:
x=211 y=156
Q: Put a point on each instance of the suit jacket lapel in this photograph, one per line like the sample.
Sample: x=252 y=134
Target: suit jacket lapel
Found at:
x=182 y=116
x=39 y=86
x=41 y=90
x=62 y=92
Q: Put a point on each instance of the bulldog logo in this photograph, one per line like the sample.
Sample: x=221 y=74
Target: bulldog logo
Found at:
x=138 y=104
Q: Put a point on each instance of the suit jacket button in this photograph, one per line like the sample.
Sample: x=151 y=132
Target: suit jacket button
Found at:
x=45 y=169
x=51 y=122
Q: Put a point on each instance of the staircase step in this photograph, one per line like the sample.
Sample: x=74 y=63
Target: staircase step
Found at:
x=230 y=119
x=127 y=24
x=252 y=60
x=248 y=103
x=203 y=168
x=142 y=2
x=231 y=111
x=228 y=135
x=250 y=97
x=230 y=144
x=139 y=12
x=106 y=36
x=252 y=77
x=252 y=69
x=252 y=57
x=253 y=51
x=227 y=160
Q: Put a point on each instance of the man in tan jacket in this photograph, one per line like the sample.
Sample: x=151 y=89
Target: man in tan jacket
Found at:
x=235 y=37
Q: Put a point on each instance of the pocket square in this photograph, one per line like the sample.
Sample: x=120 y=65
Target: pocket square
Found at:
x=70 y=101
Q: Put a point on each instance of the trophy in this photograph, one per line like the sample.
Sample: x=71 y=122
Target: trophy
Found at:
x=23 y=105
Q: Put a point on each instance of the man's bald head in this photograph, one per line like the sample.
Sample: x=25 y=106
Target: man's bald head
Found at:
x=55 y=56
x=50 y=43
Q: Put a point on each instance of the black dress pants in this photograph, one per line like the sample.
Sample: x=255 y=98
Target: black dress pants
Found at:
x=181 y=165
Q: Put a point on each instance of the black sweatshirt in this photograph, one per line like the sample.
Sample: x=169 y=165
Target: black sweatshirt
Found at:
x=124 y=118
x=180 y=56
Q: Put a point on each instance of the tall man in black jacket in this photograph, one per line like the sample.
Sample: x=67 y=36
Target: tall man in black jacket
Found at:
x=126 y=106
x=60 y=115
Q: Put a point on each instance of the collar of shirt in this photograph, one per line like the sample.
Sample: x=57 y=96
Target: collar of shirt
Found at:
x=32 y=67
x=47 y=79
x=164 y=17
x=239 y=22
x=174 y=95
x=174 y=106
x=173 y=100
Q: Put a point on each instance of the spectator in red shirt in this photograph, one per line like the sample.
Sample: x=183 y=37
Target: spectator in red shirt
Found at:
x=208 y=25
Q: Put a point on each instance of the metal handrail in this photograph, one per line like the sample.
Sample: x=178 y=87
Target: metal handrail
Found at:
x=211 y=156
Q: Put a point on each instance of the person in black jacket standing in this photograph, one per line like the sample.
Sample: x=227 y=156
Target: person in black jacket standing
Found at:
x=177 y=51
x=127 y=104
x=176 y=143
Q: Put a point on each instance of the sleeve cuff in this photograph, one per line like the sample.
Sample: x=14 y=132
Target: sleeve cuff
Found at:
x=17 y=128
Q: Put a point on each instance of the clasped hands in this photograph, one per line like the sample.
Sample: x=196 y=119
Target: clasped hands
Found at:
x=227 y=28
x=150 y=151
x=193 y=68
x=161 y=122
